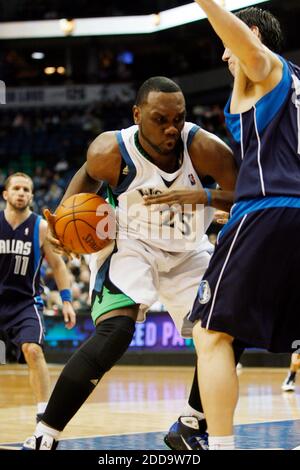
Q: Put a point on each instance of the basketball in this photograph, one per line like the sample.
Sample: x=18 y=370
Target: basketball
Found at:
x=84 y=223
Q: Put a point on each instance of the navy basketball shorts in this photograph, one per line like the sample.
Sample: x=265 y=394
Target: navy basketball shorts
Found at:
x=251 y=289
x=22 y=322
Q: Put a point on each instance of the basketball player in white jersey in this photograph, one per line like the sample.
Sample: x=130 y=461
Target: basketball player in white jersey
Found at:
x=158 y=255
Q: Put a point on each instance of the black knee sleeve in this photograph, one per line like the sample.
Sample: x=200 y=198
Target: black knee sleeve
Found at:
x=86 y=367
x=110 y=341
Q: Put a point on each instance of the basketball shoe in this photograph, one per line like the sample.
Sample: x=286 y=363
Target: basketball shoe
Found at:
x=188 y=433
x=44 y=442
x=289 y=385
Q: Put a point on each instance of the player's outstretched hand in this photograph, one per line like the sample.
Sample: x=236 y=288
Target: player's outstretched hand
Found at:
x=51 y=235
x=177 y=197
x=69 y=315
x=50 y=219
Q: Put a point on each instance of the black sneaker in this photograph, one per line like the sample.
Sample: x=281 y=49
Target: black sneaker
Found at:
x=188 y=433
x=44 y=442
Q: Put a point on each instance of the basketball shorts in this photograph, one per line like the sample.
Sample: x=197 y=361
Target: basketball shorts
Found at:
x=251 y=288
x=22 y=322
x=132 y=272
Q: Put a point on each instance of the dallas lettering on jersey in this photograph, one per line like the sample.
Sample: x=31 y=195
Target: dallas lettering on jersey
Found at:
x=18 y=247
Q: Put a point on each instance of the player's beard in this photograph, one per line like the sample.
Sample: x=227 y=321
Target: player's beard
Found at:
x=20 y=209
x=155 y=147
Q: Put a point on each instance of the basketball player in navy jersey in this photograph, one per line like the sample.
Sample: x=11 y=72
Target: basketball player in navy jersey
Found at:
x=243 y=295
x=160 y=152
x=22 y=247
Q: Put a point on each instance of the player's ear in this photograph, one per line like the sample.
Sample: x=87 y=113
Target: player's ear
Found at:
x=256 y=31
x=4 y=194
x=136 y=110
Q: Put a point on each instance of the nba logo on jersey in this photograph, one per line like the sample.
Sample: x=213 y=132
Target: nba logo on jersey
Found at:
x=192 y=179
x=204 y=293
x=26 y=232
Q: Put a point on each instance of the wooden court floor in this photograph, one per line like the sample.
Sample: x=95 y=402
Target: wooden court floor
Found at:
x=141 y=400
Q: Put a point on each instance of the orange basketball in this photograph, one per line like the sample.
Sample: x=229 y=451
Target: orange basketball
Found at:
x=84 y=223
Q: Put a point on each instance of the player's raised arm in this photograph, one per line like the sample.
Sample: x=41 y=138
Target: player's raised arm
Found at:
x=256 y=60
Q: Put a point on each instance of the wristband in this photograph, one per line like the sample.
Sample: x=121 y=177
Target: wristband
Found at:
x=209 y=196
x=66 y=295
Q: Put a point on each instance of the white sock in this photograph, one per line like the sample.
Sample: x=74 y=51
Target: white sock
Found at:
x=189 y=411
x=42 y=429
x=41 y=406
x=221 y=442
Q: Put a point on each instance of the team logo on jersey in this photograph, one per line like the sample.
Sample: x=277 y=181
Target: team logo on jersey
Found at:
x=192 y=179
x=26 y=231
x=204 y=293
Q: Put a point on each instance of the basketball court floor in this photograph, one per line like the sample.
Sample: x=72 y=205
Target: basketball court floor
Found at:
x=133 y=407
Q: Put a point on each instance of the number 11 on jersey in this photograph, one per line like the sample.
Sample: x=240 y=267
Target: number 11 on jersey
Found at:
x=21 y=265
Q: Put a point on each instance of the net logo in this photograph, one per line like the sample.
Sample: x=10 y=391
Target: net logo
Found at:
x=2 y=92
x=2 y=352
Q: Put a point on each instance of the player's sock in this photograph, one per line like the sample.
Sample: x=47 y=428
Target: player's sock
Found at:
x=221 y=442
x=189 y=411
x=42 y=429
x=86 y=367
x=41 y=406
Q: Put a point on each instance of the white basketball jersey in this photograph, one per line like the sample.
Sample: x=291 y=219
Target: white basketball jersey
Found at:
x=173 y=230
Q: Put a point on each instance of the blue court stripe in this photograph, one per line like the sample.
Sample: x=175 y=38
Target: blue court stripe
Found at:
x=266 y=435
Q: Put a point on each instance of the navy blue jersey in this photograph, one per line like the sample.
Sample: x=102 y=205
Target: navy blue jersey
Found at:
x=266 y=141
x=20 y=259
